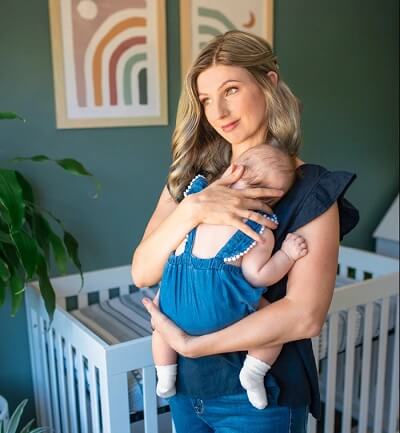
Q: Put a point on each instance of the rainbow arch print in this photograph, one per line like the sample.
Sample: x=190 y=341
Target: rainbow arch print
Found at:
x=204 y=19
x=113 y=61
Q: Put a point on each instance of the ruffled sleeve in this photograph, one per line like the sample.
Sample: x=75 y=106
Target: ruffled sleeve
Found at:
x=328 y=187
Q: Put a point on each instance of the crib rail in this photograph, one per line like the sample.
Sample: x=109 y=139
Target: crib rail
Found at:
x=359 y=387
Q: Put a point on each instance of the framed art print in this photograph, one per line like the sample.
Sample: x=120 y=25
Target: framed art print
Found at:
x=201 y=20
x=109 y=62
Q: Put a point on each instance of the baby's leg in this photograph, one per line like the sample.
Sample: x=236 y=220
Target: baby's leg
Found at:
x=256 y=365
x=165 y=361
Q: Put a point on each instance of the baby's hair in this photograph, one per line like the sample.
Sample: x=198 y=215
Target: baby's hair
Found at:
x=264 y=159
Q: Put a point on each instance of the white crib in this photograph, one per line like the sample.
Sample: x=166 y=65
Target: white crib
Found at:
x=81 y=382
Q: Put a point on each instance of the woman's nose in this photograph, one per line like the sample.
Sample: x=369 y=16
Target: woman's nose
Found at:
x=221 y=110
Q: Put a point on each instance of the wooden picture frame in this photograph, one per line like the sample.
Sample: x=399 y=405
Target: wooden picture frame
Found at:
x=109 y=62
x=201 y=20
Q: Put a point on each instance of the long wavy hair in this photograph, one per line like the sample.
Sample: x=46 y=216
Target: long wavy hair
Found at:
x=196 y=146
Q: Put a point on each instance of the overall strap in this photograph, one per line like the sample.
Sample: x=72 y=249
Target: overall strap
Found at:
x=190 y=237
x=198 y=183
x=240 y=244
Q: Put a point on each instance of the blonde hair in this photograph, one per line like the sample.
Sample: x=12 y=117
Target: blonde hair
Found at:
x=262 y=161
x=196 y=146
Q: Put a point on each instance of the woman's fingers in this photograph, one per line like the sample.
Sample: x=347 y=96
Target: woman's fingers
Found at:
x=262 y=193
x=258 y=218
x=171 y=334
x=231 y=175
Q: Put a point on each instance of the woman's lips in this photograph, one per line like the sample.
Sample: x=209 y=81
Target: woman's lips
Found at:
x=230 y=126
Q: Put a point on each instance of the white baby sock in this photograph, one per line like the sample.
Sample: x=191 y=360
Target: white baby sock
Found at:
x=252 y=379
x=166 y=375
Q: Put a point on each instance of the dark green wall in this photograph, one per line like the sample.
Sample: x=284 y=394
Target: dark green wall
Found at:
x=340 y=58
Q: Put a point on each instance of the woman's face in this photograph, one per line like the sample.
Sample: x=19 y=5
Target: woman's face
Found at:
x=234 y=105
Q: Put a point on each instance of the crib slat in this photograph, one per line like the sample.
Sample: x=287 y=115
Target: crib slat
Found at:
x=83 y=300
x=366 y=368
x=61 y=381
x=36 y=356
x=94 y=407
x=150 y=400
x=394 y=395
x=331 y=379
x=82 y=392
x=114 y=402
x=312 y=423
x=382 y=353
x=349 y=371
x=124 y=290
x=71 y=398
x=53 y=380
x=46 y=409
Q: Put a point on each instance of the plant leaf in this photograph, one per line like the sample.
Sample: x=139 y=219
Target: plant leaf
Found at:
x=27 y=191
x=72 y=248
x=15 y=417
x=10 y=115
x=40 y=231
x=46 y=289
x=5 y=237
x=12 y=206
x=17 y=285
x=39 y=430
x=45 y=236
x=59 y=252
x=73 y=166
x=27 y=251
x=35 y=158
x=4 y=271
x=26 y=429
x=3 y=286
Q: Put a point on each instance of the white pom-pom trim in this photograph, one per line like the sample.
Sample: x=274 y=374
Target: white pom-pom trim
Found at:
x=187 y=190
x=273 y=218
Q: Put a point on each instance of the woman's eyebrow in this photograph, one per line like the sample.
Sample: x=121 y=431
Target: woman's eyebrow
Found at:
x=222 y=85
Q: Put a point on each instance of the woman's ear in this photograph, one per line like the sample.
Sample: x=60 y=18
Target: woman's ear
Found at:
x=273 y=76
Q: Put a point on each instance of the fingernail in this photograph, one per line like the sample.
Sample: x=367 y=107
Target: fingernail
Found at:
x=145 y=301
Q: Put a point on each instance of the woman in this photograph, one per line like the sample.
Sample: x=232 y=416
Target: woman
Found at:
x=234 y=99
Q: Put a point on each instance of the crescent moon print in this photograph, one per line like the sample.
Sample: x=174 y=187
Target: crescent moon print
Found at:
x=251 y=21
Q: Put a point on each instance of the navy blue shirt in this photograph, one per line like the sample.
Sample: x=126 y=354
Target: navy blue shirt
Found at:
x=314 y=192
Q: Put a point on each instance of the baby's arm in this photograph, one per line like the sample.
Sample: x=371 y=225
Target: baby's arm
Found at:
x=260 y=269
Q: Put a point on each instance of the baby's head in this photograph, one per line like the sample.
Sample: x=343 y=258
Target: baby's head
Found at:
x=266 y=166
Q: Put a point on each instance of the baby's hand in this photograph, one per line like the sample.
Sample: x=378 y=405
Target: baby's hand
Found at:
x=294 y=246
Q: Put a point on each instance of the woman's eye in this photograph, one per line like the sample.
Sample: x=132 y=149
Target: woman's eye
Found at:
x=231 y=91
x=205 y=101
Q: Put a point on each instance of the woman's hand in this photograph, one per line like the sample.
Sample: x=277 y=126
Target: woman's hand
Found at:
x=219 y=204
x=181 y=342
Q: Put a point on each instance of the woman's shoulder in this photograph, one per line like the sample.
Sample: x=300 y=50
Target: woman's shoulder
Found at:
x=315 y=190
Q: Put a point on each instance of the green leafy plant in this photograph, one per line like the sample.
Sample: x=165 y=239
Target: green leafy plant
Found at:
x=27 y=238
x=12 y=425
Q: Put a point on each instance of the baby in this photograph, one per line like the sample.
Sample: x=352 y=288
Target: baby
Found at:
x=201 y=289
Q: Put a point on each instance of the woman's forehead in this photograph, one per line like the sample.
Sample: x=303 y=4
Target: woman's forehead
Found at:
x=216 y=76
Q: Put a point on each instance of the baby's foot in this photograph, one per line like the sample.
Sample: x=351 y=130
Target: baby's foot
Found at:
x=252 y=379
x=166 y=375
x=294 y=246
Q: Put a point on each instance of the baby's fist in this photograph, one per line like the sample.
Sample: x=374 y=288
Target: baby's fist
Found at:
x=294 y=246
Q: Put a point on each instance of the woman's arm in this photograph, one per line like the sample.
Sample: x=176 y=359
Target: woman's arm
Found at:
x=300 y=314
x=170 y=222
